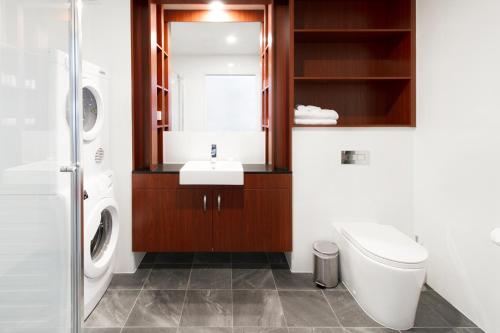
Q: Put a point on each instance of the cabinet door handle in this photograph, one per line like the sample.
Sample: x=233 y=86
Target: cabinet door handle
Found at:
x=218 y=202
x=205 y=203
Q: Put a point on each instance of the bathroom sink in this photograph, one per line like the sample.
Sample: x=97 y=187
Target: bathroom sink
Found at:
x=211 y=173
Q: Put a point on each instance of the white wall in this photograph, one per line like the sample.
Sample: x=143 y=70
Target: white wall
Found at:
x=246 y=147
x=324 y=191
x=457 y=152
x=194 y=142
x=106 y=42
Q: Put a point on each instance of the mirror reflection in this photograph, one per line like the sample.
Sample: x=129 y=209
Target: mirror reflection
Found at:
x=215 y=76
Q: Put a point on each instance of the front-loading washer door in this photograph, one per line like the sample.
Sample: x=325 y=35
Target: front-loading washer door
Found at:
x=101 y=238
x=100 y=242
x=93 y=113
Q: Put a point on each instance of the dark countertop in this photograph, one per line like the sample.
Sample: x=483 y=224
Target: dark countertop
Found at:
x=247 y=168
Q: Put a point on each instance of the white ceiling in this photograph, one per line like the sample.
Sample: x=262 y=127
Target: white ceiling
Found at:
x=202 y=38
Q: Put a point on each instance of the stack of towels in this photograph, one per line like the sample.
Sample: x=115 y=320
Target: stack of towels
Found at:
x=314 y=115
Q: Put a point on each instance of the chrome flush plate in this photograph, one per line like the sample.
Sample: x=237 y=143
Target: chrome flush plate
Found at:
x=355 y=157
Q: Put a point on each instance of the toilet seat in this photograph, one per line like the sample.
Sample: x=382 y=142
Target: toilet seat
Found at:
x=386 y=245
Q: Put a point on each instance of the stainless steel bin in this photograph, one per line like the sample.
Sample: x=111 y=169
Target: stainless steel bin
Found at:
x=326 y=264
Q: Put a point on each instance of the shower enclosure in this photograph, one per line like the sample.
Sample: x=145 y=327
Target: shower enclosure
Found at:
x=40 y=176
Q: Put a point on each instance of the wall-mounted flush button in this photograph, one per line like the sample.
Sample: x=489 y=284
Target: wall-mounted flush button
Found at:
x=358 y=157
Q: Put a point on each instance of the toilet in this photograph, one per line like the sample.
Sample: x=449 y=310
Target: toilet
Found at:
x=383 y=269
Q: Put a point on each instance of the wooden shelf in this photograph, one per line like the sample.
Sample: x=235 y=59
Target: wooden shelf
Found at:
x=266 y=48
x=351 y=126
x=161 y=88
x=353 y=78
x=301 y=125
x=355 y=57
x=346 y=35
x=359 y=14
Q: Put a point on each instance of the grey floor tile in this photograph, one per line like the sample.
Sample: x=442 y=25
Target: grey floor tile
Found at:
x=130 y=281
x=162 y=277
x=449 y=313
x=277 y=260
x=205 y=330
x=258 y=308
x=258 y=278
x=369 y=330
x=203 y=258
x=348 y=311
x=102 y=330
x=307 y=309
x=174 y=258
x=432 y=330
x=210 y=278
x=113 y=309
x=428 y=317
x=339 y=286
x=250 y=260
x=149 y=330
x=260 y=330
x=316 y=330
x=286 y=280
x=208 y=308
x=157 y=308
x=149 y=258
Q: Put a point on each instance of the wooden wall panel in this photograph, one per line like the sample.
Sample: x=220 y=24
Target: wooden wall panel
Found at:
x=281 y=130
x=144 y=136
x=207 y=16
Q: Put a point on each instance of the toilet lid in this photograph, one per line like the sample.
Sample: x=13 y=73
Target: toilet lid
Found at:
x=386 y=243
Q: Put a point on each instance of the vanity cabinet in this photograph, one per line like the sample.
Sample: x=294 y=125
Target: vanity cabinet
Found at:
x=168 y=217
x=171 y=220
x=252 y=220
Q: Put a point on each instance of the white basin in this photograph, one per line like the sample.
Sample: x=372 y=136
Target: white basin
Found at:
x=208 y=173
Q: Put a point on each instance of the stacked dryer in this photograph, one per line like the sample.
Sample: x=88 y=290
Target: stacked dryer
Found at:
x=100 y=210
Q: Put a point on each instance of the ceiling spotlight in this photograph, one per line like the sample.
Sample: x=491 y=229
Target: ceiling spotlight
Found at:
x=216 y=5
x=230 y=65
x=231 y=39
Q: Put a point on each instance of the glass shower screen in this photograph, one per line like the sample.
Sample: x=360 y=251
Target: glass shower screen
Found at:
x=39 y=184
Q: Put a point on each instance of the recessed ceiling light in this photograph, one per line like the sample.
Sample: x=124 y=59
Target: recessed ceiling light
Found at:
x=216 y=5
x=231 y=39
x=230 y=64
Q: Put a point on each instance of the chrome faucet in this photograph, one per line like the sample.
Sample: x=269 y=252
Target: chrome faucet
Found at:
x=213 y=153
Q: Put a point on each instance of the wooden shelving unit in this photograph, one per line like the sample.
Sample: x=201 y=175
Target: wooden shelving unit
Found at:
x=356 y=57
x=267 y=79
x=162 y=63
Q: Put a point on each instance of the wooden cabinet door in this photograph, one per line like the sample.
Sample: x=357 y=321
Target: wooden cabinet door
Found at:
x=266 y=220
x=227 y=219
x=252 y=220
x=172 y=220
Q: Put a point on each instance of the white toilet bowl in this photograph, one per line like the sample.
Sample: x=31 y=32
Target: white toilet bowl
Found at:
x=383 y=269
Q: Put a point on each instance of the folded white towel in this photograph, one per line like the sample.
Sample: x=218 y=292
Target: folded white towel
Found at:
x=308 y=108
x=315 y=121
x=321 y=114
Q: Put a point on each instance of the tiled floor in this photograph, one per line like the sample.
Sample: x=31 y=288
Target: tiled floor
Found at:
x=243 y=293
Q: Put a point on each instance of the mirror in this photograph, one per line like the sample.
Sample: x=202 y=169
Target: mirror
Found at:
x=215 y=77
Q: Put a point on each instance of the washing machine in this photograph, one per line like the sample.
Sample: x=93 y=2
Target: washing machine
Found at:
x=101 y=228
x=95 y=114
